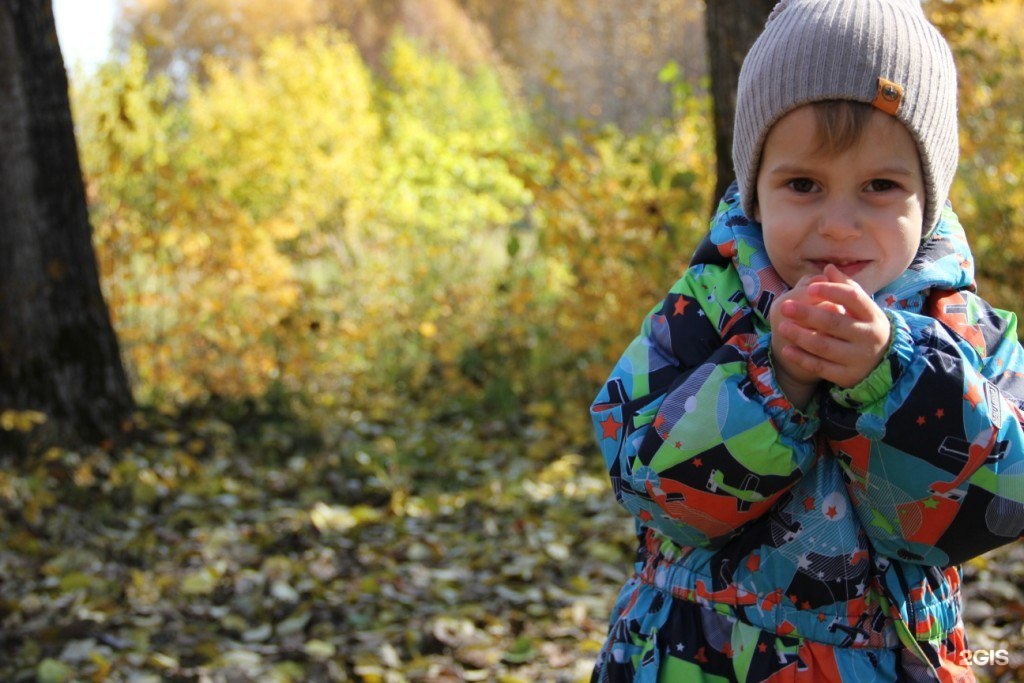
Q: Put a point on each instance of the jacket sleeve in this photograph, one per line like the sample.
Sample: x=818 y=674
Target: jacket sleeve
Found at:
x=696 y=435
x=932 y=443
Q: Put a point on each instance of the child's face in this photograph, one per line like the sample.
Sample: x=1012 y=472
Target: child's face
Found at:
x=860 y=209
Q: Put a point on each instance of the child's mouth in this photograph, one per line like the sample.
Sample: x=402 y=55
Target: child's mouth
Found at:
x=848 y=268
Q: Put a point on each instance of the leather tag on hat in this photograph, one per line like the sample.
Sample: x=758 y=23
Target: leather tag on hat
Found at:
x=889 y=96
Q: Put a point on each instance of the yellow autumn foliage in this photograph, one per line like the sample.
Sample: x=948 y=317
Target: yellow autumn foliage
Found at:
x=291 y=222
x=988 y=192
x=408 y=242
x=197 y=205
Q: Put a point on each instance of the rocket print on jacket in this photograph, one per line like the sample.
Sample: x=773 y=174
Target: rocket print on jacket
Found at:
x=828 y=538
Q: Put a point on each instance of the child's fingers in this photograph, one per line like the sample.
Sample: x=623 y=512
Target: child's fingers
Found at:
x=825 y=317
x=813 y=341
x=804 y=282
x=807 y=362
x=831 y=273
x=833 y=360
x=840 y=348
x=851 y=297
x=843 y=289
x=828 y=370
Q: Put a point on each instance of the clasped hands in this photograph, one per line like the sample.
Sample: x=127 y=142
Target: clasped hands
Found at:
x=826 y=328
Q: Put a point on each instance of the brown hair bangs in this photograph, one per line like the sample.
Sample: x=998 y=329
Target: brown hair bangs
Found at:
x=840 y=124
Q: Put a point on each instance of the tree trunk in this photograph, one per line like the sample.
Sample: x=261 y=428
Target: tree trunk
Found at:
x=731 y=27
x=58 y=351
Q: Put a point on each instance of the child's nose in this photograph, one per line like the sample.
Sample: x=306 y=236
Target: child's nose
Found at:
x=839 y=220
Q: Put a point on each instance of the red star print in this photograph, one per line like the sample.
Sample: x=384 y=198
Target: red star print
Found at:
x=763 y=647
x=610 y=428
x=808 y=503
x=821 y=616
x=832 y=512
x=659 y=420
x=701 y=657
x=680 y=307
x=697 y=462
x=793 y=599
x=920 y=420
x=805 y=605
x=753 y=563
x=679 y=444
x=727 y=649
x=973 y=395
x=940 y=413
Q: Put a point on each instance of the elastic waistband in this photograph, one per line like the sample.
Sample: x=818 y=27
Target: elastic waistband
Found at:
x=867 y=627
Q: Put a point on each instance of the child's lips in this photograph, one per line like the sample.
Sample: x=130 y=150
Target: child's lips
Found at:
x=848 y=268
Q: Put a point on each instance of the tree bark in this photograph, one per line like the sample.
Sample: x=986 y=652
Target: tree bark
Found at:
x=731 y=27
x=58 y=351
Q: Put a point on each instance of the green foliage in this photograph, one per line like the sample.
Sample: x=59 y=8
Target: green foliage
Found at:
x=615 y=221
x=445 y=135
x=408 y=242
x=293 y=223
x=432 y=249
x=401 y=244
x=291 y=136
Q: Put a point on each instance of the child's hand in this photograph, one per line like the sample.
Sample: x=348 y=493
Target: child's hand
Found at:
x=835 y=332
x=796 y=382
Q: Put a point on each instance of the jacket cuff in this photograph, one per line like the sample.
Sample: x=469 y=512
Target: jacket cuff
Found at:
x=791 y=422
x=879 y=382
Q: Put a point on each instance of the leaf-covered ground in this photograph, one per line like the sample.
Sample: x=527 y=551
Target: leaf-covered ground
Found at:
x=239 y=547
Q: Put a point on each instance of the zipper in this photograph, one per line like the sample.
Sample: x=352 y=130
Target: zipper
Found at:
x=911 y=609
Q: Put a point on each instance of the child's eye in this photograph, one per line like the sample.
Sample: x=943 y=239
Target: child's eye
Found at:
x=801 y=185
x=881 y=185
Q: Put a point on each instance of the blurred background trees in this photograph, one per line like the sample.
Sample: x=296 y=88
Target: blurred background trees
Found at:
x=361 y=205
x=579 y=59
x=368 y=204
x=361 y=202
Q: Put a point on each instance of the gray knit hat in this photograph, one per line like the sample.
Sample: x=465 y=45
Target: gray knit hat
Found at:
x=882 y=52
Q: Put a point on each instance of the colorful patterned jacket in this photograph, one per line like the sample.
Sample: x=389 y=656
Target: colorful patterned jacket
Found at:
x=839 y=526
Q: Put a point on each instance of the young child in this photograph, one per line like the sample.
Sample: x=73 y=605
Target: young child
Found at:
x=821 y=420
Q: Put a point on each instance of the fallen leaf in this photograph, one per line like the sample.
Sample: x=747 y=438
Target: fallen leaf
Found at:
x=53 y=671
